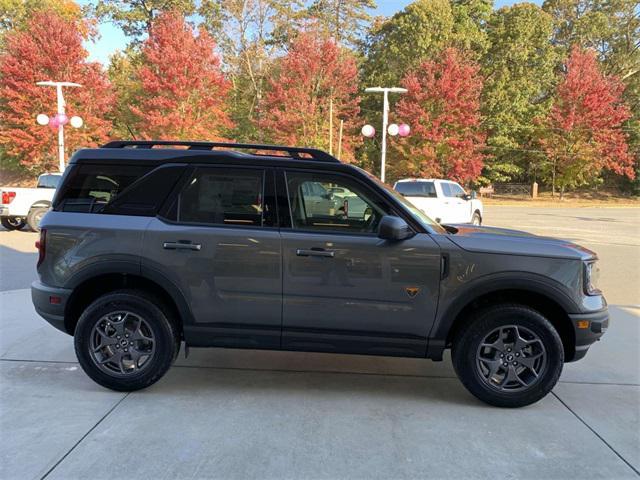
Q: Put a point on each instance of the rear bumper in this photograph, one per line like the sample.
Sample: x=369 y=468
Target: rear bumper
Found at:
x=596 y=326
x=50 y=303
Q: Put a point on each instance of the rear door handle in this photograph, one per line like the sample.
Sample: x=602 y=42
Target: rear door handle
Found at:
x=182 y=245
x=301 y=252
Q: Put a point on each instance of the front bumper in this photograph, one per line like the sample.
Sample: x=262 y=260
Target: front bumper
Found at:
x=50 y=303
x=4 y=212
x=588 y=328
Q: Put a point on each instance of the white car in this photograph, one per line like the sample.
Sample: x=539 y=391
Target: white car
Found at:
x=27 y=206
x=442 y=200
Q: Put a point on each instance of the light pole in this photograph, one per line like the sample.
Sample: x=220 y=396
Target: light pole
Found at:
x=61 y=118
x=385 y=119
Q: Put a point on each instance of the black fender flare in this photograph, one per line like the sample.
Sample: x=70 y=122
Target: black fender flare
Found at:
x=523 y=281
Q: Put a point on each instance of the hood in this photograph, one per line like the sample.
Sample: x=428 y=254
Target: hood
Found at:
x=514 y=242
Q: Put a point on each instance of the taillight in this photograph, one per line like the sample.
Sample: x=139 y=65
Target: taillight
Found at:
x=41 y=246
x=7 y=197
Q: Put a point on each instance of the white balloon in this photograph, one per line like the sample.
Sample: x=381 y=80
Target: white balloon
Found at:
x=368 y=131
x=76 y=122
x=42 y=119
x=393 y=129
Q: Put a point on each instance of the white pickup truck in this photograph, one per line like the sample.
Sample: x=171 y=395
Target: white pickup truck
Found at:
x=442 y=200
x=27 y=206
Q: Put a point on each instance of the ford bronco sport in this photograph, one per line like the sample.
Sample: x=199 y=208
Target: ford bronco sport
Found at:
x=257 y=246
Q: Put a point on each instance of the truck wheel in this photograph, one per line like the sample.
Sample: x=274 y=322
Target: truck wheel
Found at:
x=508 y=356
x=35 y=216
x=476 y=219
x=12 y=223
x=124 y=342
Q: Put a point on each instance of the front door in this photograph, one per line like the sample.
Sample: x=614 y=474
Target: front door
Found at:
x=221 y=248
x=344 y=289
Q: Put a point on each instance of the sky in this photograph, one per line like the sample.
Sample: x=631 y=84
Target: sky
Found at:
x=111 y=38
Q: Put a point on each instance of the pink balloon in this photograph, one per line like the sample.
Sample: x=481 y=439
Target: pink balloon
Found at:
x=404 y=129
x=62 y=119
x=54 y=123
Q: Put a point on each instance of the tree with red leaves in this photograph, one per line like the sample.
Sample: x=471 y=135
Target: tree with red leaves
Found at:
x=442 y=106
x=314 y=88
x=183 y=89
x=49 y=48
x=582 y=134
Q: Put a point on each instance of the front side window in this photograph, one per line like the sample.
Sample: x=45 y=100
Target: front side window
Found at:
x=456 y=190
x=331 y=203
x=218 y=196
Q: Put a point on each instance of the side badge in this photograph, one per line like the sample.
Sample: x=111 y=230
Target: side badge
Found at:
x=412 y=291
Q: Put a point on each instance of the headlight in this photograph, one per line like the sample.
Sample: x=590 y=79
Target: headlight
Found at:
x=591 y=278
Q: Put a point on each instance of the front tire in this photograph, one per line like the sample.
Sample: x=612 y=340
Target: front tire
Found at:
x=125 y=342
x=35 y=217
x=508 y=356
x=12 y=223
x=476 y=219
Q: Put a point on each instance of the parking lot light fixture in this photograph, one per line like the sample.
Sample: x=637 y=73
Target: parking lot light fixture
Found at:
x=385 y=120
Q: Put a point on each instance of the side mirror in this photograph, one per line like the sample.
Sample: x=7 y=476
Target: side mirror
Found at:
x=394 y=228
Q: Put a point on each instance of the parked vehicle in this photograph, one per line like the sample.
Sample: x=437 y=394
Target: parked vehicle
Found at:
x=147 y=247
x=27 y=206
x=443 y=200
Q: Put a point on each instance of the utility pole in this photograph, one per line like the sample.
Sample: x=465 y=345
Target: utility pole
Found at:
x=61 y=114
x=331 y=126
x=385 y=120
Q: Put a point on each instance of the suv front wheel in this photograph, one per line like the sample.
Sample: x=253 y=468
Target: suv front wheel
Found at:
x=125 y=342
x=508 y=356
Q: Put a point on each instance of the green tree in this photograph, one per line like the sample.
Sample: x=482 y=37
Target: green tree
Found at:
x=135 y=17
x=15 y=14
x=519 y=76
x=250 y=34
x=344 y=20
x=470 y=25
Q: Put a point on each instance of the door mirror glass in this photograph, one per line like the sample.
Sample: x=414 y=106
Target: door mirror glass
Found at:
x=394 y=228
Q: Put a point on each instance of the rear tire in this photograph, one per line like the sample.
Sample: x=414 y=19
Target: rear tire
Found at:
x=35 y=217
x=13 y=223
x=124 y=342
x=508 y=356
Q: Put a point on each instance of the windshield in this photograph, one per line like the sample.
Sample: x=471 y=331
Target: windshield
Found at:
x=416 y=189
x=418 y=214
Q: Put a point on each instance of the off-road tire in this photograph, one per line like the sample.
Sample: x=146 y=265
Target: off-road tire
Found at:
x=11 y=223
x=164 y=330
x=467 y=342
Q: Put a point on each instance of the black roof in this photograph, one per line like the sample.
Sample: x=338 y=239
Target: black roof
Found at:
x=146 y=150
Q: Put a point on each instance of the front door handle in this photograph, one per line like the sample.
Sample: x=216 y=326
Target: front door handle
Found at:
x=315 y=252
x=182 y=245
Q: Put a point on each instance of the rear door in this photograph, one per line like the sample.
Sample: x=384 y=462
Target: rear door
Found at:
x=453 y=206
x=219 y=245
x=344 y=288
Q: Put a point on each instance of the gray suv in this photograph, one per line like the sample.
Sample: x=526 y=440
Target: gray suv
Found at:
x=229 y=245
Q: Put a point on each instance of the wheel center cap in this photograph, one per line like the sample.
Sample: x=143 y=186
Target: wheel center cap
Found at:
x=123 y=342
x=509 y=358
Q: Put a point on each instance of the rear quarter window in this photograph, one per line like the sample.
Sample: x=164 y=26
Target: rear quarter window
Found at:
x=117 y=189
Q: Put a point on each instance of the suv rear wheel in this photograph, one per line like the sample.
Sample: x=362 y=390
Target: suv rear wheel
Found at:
x=508 y=356
x=124 y=342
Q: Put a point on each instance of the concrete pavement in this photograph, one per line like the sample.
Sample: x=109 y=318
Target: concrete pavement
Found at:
x=256 y=414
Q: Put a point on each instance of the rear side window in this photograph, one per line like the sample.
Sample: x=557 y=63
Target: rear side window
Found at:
x=49 y=181
x=117 y=189
x=416 y=189
x=221 y=196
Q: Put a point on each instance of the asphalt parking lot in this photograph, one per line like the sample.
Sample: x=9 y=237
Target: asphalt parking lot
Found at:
x=252 y=414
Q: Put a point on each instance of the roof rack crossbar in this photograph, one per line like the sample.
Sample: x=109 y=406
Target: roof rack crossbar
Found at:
x=294 y=152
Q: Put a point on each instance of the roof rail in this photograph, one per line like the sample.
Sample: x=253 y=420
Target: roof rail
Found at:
x=294 y=152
